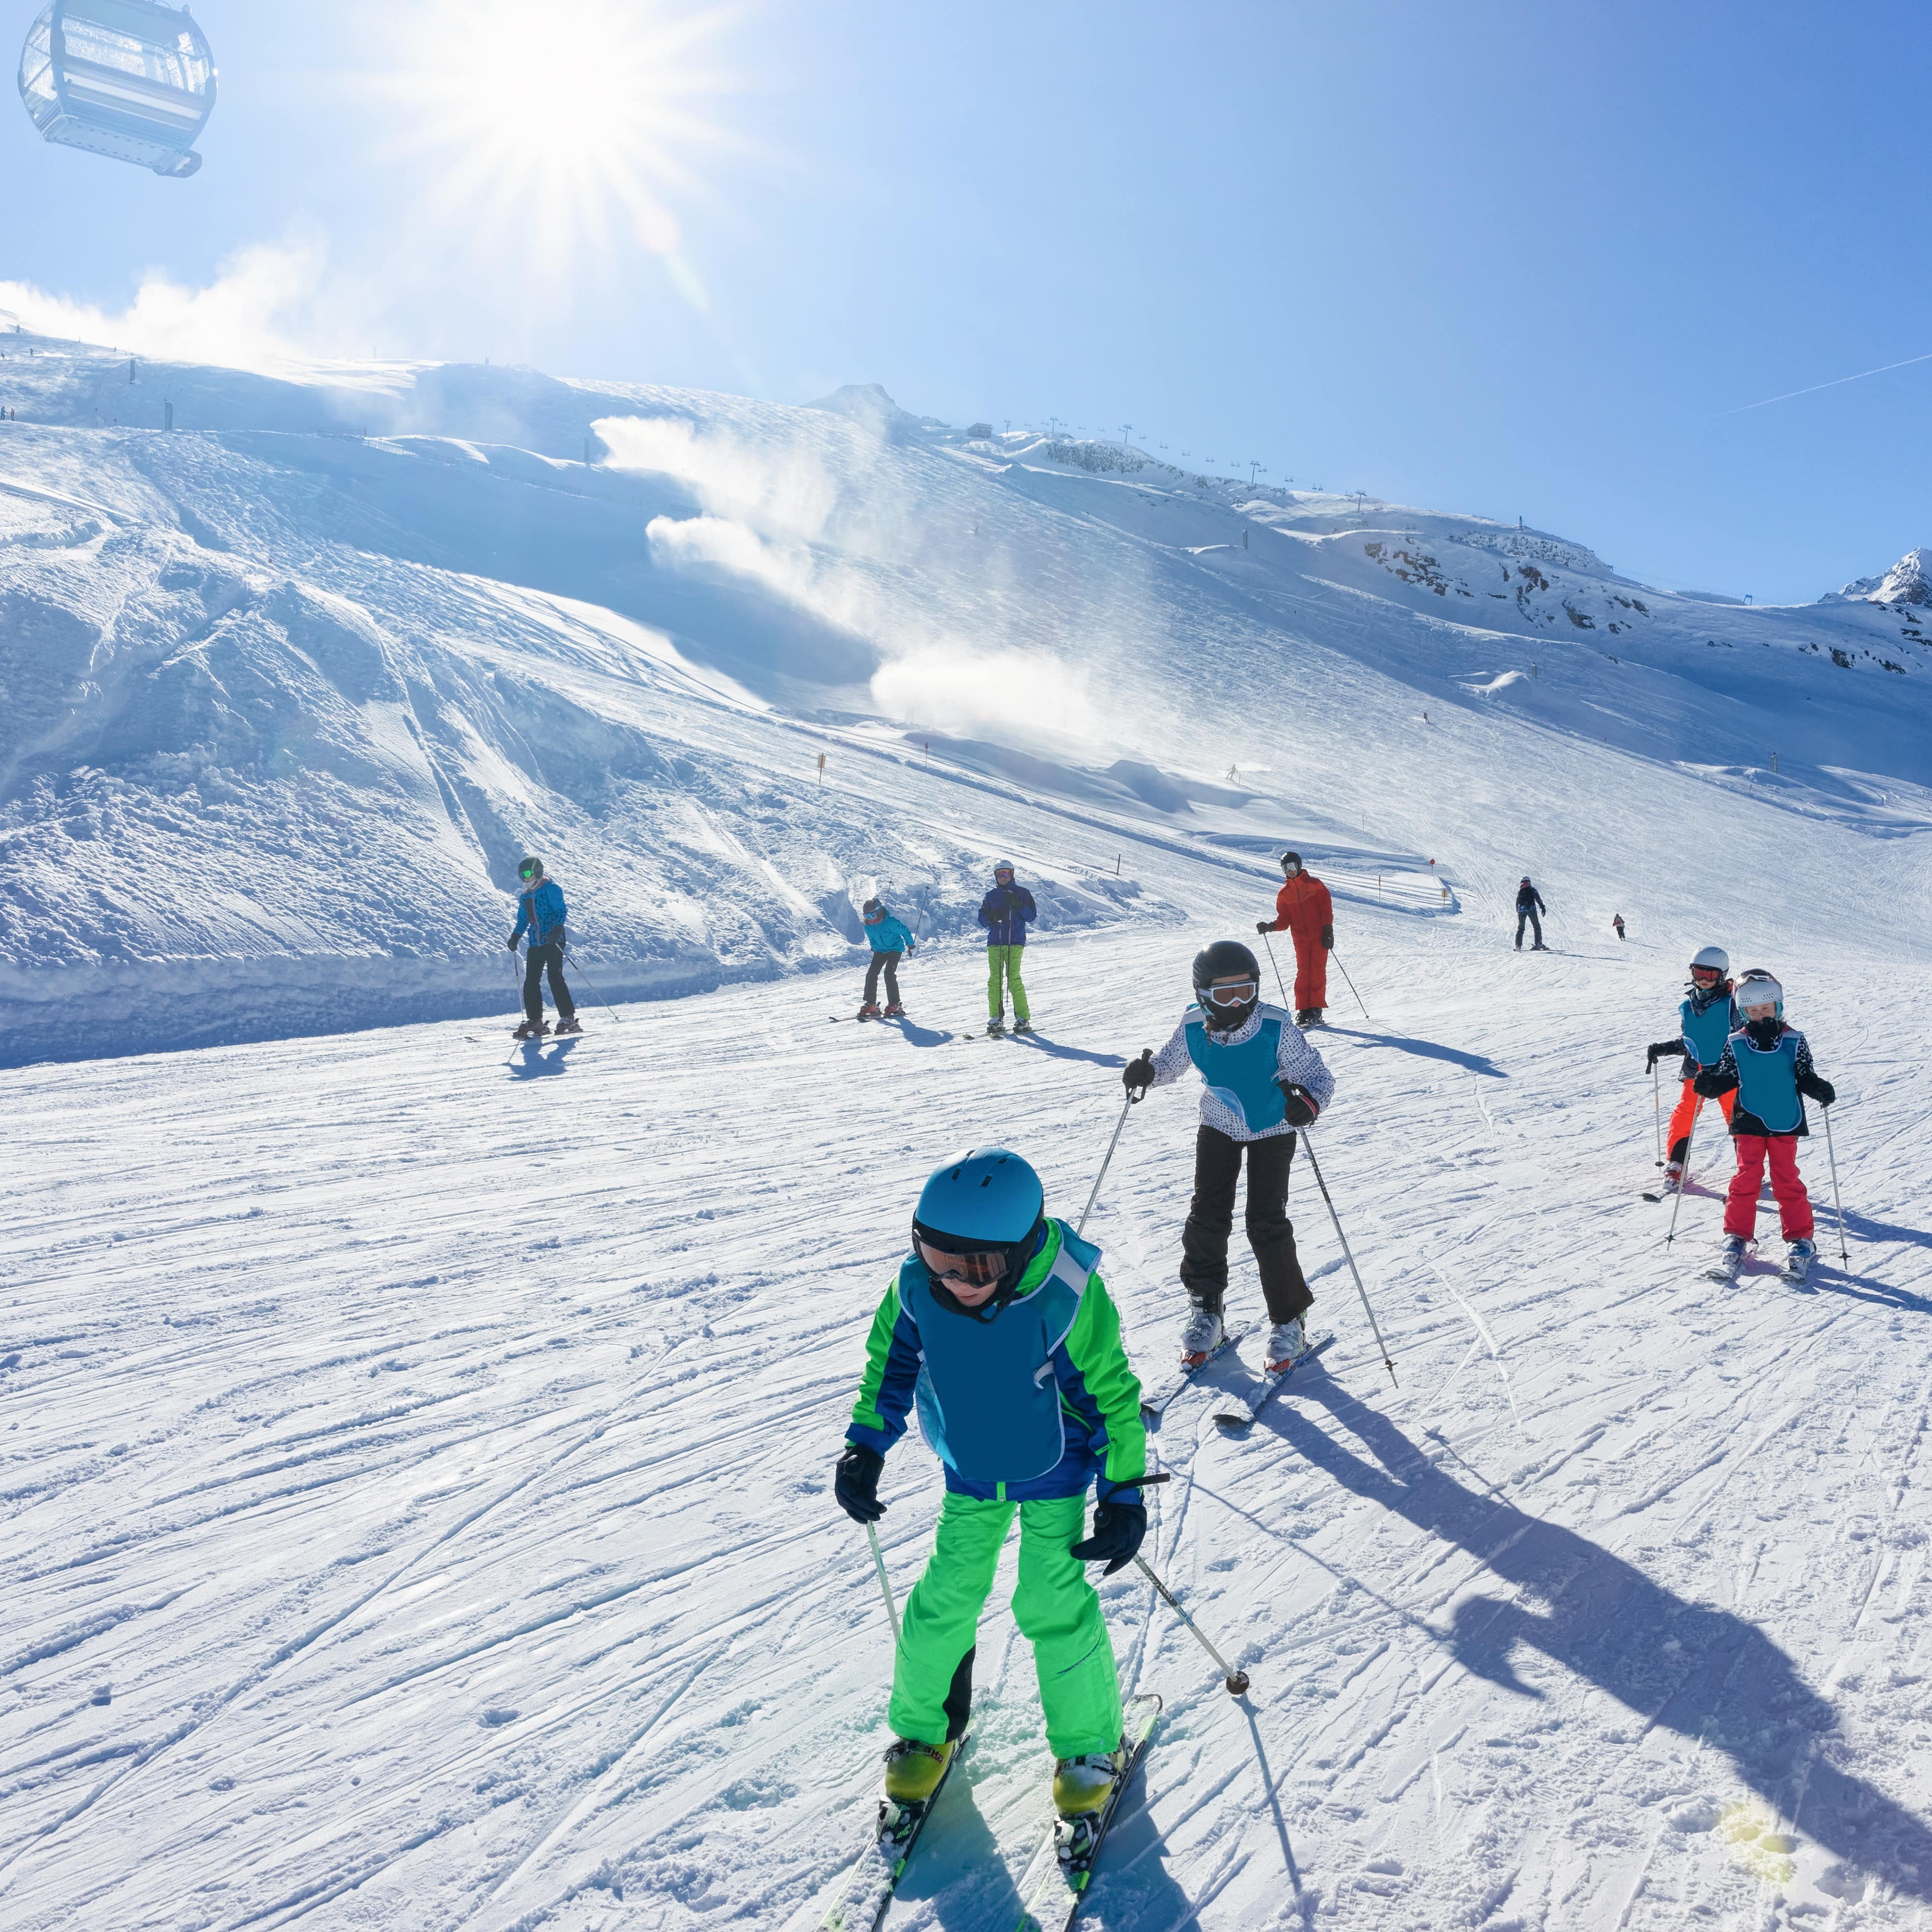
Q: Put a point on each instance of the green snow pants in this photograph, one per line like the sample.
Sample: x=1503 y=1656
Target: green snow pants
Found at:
x=1006 y=959
x=1054 y=1605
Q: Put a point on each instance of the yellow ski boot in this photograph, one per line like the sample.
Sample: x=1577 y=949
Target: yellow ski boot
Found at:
x=1081 y=1785
x=914 y=1770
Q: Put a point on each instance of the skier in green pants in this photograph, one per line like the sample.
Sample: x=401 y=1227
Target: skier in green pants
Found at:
x=1000 y=1331
x=1004 y=912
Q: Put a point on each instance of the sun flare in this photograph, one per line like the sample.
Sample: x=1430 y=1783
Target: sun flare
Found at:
x=564 y=120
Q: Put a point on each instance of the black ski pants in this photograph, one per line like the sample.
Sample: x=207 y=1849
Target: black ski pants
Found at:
x=890 y=962
x=1211 y=1220
x=539 y=960
x=1528 y=912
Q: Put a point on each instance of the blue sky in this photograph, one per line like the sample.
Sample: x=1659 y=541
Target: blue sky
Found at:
x=1515 y=259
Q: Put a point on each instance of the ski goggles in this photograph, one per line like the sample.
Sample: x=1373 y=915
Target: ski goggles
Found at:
x=978 y=1270
x=1706 y=976
x=526 y=873
x=1230 y=996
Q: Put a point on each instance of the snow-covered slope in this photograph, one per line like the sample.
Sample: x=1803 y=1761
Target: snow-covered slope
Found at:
x=290 y=689
x=417 y=1451
x=418 y=1500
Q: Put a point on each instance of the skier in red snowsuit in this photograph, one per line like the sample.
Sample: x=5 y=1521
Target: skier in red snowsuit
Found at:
x=1303 y=908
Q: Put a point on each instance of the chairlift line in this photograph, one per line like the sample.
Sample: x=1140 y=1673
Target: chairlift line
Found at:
x=132 y=79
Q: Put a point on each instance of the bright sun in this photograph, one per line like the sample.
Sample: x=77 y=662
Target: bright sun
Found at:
x=564 y=120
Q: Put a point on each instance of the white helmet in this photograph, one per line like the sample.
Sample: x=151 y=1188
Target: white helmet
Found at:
x=1714 y=956
x=1758 y=988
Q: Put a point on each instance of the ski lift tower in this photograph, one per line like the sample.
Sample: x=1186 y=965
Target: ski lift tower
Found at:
x=132 y=79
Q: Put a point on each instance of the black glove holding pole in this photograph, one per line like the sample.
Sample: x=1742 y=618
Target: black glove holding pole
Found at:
x=1299 y=1109
x=855 y=1482
x=1139 y=1076
x=1118 y=1530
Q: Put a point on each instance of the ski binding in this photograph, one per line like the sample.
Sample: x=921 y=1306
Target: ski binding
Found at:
x=1153 y=1400
x=1056 y=1881
x=1238 y=1412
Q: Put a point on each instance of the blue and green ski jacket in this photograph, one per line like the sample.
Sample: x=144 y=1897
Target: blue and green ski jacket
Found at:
x=1037 y=1402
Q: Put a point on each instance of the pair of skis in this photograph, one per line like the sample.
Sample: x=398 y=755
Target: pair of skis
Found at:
x=1728 y=1266
x=1234 y=1411
x=1057 y=1878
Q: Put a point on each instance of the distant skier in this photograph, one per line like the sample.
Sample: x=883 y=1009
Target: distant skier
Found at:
x=1528 y=905
x=1303 y=909
x=1768 y=1064
x=1708 y=1016
x=540 y=910
x=999 y=1327
x=890 y=941
x=1264 y=1080
x=1004 y=912
x=1617 y=921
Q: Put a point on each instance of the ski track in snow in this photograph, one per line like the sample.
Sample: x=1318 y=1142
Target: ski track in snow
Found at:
x=418 y=1458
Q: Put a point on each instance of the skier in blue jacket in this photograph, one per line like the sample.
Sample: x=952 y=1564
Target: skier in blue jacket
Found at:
x=542 y=913
x=998 y=1332
x=890 y=940
x=1004 y=912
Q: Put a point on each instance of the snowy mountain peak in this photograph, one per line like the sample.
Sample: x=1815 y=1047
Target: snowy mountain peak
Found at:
x=1908 y=581
x=867 y=403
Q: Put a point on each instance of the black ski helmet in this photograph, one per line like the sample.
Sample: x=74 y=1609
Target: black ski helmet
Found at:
x=529 y=869
x=1221 y=960
x=1287 y=859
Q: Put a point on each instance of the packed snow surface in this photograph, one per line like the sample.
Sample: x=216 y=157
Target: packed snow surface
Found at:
x=417 y=1509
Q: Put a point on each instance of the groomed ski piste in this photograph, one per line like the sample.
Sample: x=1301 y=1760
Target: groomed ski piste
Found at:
x=418 y=1446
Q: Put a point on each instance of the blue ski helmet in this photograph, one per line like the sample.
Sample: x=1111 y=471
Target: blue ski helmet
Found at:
x=984 y=1201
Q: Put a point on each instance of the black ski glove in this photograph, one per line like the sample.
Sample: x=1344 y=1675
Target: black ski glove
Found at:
x=1300 y=1106
x=1822 y=1091
x=1265 y=925
x=855 y=1482
x=559 y=936
x=1712 y=1085
x=511 y=942
x=1139 y=1074
x=1661 y=1049
x=1118 y=1528
x=1327 y=939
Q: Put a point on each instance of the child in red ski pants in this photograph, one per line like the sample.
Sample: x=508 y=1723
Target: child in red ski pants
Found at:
x=1794 y=1204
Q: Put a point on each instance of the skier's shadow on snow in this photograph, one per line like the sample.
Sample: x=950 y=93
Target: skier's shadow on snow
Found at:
x=533 y=1063
x=1426 y=1049
x=1040 y=1043
x=1860 y=1227
x=1702 y=1673
x=919 y=1036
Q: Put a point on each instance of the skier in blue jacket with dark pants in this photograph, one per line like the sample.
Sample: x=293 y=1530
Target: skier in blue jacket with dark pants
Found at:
x=890 y=940
x=541 y=912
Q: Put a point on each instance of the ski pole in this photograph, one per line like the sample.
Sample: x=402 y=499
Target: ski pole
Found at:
x=1349 y=1256
x=1269 y=938
x=885 y=1584
x=1684 y=1172
x=1657 y=1101
x=1337 y=958
x=1844 y=1254
x=1237 y=1681
x=1132 y=1097
x=592 y=985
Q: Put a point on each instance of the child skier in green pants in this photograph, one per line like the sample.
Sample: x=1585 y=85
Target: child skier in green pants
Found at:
x=999 y=1329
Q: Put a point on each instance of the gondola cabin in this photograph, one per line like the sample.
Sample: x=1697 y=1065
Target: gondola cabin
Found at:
x=132 y=79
